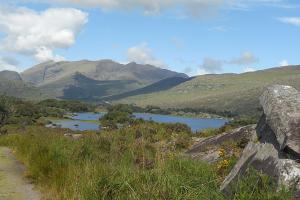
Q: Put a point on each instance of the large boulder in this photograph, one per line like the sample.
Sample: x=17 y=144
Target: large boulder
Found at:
x=281 y=106
x=266 y=158
x=276 y=152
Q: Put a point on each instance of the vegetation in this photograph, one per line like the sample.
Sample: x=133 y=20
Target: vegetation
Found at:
x=4 y=113
x=117 y=116
x=137 y=162
x=71 y=106
x=17 y=111
x=237 y=93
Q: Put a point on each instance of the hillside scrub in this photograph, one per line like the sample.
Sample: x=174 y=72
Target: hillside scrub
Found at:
x=18 y=111
x=139 y=162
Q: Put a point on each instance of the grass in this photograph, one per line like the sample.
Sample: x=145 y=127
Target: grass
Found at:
x=234 y=92
x=143 y=161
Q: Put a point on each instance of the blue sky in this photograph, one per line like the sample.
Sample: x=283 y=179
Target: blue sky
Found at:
x=196 y=38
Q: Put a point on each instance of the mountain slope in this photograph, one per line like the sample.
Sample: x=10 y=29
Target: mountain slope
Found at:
x=10 y=76
x=234 y=92
x=80 y=87
x=162 y=85
x=102 y=70
x=11 y=84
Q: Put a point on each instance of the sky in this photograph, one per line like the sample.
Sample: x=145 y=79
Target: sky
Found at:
x=191 y=36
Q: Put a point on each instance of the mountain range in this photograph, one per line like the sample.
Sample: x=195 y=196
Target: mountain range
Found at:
x=143 y=85
x=88 y=80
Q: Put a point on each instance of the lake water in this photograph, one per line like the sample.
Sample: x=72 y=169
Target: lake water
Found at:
x=196 y=124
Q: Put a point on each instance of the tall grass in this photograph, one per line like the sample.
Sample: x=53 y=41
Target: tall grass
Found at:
x=139 y=162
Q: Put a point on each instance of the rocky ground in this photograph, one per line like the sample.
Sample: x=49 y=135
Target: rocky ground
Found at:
x=272 y=146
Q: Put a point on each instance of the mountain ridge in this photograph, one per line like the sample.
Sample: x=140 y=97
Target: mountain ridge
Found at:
x=237 y=93
x=92 y=80
x=48 y=72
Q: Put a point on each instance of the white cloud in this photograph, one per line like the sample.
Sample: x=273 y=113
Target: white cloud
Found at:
x=249 y=69
x=44 y=54
x=143 y=54
x=210 y=66
x=290 y=20
x=29 y=32
x=284 y=63
x=247 y=58
x=7 y=65
x=192 y=8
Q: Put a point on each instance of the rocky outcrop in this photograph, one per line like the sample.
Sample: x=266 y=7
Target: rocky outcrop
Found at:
x=208 y=149
x=281 y=105
x=241 y=133
x=277 y=150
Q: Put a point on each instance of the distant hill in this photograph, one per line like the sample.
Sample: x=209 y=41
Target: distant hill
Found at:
x=93 y=80
x=162 y=85
x=102 y=70
x=234 y=92
x=11 y=84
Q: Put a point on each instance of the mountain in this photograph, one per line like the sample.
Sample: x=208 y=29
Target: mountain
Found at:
x=93 y=80
x=10 y=76
x=11 y=84
x=237 y=93
x=80 y=87
x=102 y=70
x=162 y=85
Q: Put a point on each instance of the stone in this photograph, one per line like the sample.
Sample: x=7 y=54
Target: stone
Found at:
x=265 y=157
x=276 y=151
x=208 y=149
x=238 y=134
x=281 y=106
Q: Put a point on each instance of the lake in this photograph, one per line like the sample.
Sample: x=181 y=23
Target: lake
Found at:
x=83 y=121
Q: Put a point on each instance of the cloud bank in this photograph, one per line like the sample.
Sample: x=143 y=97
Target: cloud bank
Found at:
x=212 y=65
x=185 y=8
x=149 y=7
x=38 y=34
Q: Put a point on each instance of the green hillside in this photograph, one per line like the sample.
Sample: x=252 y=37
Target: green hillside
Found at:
x=234 y=92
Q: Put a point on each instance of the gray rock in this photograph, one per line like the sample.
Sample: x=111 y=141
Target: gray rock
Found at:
x=281 y=105
x=265 y=158
x=276 y=152
x=208 y=149
x=209 y=156
x=238 y=134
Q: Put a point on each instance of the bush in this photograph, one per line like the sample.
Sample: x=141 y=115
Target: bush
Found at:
x=4 y=111
x=117 y=115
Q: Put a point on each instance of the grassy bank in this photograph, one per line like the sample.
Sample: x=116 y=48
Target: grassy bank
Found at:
x=142 y=161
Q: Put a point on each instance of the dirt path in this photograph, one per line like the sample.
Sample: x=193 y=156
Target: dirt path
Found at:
x=13 y=185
